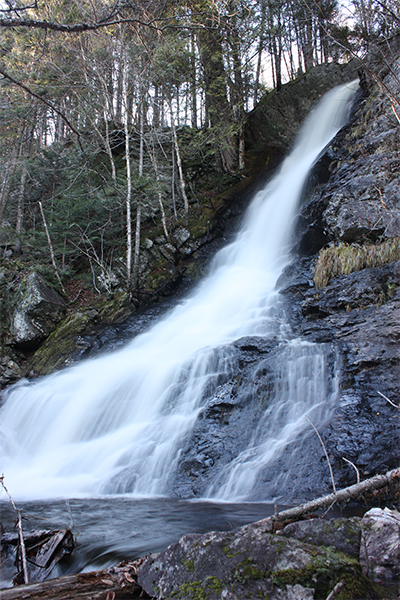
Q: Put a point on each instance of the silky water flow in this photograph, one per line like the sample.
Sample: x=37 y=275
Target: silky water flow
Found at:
x=115 y=424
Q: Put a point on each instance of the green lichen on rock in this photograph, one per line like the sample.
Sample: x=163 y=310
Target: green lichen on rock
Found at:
x=345 y=259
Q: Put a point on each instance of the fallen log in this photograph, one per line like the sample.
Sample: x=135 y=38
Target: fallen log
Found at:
x=42 y=551
x=114 y=583
x=348 y=493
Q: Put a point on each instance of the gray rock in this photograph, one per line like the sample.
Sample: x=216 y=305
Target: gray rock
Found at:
x=358 y=290
x=12 y=371
x=38 y=311
x=343 y=534
x=246 y=563
x=168 y=251
x=380 y=544
x=181 y=236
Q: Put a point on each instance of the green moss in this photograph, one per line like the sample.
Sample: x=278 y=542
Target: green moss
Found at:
x=54 y=353
x=188 y=564
x=345 y=259
x=199 y=590
x=60 y=344
x=115 y=309
x=247 y=570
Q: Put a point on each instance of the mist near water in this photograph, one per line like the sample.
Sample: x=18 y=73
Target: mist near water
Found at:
x=115 y=424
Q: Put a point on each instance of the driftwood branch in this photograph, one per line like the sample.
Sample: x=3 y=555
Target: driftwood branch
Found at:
x=42 y=551
x=20 y=534
x=348 y=493
x=115 y=583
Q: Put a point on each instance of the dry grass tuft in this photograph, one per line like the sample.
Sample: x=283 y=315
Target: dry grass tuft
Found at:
x=345 y=259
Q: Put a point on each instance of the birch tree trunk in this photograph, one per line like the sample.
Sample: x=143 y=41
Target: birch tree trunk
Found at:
x=179 y=163
x=153 y=159
x=128 y=179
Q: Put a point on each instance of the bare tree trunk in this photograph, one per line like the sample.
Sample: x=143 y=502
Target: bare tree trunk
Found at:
x=179 y=162
x=141 y=138
x=241 y=147
x=53 y=260
x=260 y=50
x=153 y=159
x=136 y=256
x=173 y=183
x=20 y=208
x=5 y=188
x=156 y=108
x=108 y=147
x=128 y=182
x=193 y=82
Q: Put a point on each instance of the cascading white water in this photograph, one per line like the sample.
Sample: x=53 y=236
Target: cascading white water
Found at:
x=115 y=423
x=305 y=384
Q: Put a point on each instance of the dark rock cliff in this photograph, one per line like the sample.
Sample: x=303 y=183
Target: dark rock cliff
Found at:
x=352 y=207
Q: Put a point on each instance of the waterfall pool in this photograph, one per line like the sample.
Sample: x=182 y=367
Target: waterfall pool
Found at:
x=113 y=529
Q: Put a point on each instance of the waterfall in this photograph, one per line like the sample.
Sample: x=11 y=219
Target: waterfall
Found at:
x=115 y=424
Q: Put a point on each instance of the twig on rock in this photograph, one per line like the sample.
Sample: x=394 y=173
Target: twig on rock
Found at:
x=326 y=454
x=390 y=402
x=335 y=590
x=354 y=466
x=20 y=533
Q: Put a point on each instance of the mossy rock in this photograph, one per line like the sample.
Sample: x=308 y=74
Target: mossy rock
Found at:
x=251 y=563
x=61 y=346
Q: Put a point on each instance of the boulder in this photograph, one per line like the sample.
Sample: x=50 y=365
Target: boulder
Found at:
x=39 y=309
x=250 y=563
x=380 y=544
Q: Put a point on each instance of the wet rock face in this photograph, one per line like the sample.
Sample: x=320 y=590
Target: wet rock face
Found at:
x=359 y=312
x=354 y=313
x=250 y=407
x=361 y=200
x=37 y=313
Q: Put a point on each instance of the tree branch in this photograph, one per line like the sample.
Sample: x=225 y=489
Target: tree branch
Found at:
x=41 y=99
x=374 y=483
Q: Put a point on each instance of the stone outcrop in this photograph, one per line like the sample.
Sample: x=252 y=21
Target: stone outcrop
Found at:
x=273 y=124
x=39 y=308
